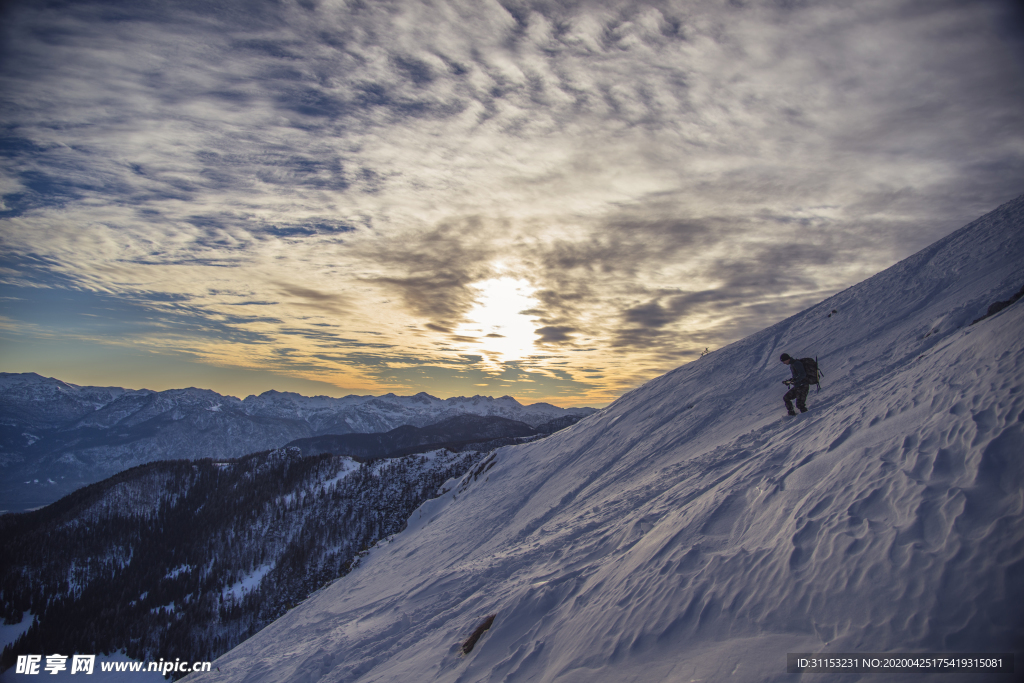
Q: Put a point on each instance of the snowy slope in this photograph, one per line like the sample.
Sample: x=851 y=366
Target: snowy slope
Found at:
x=691 y=532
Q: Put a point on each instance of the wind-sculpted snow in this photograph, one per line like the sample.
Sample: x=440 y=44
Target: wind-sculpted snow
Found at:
x=690 y=531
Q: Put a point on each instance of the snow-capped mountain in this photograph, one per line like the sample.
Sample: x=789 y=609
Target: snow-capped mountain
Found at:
x=44 y=402
x=367 y=414
x=56 y=437
x=691 y=531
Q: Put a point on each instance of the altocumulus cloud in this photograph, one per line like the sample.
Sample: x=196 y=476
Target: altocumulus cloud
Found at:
x=664 y=176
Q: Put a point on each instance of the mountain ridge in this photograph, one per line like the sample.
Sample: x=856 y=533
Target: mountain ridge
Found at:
x=186 y=558
x=56 y=436
x=453 y=433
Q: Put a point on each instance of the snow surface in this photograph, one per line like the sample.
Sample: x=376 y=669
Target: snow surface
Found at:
x=11 y=632
x=691 y=532
x=247 y=584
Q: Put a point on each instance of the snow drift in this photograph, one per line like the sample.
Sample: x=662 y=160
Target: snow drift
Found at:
x=690 y=531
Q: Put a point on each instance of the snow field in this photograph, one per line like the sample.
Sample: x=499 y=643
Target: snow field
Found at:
x=690 y=531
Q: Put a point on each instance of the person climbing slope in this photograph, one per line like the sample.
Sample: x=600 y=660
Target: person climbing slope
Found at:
x=798 y=386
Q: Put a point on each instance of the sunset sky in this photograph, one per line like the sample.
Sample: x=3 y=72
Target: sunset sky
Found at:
x=555 y=200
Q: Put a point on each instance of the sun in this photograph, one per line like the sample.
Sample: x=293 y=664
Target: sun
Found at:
x=497 y=321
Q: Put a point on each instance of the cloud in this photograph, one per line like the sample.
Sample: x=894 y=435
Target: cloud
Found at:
x=433 y=270
x=554 y=334
x=665 y=175
x=324 y=301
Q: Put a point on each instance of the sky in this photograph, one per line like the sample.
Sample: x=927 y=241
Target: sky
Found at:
x=554 y=200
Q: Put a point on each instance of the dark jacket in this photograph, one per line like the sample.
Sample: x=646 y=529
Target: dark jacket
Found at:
x=799 y=374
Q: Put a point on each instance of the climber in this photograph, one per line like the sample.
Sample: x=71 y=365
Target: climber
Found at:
x=798 y=386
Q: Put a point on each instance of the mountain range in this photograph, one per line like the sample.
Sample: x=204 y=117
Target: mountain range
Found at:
x=455 y=433
x=56 y=437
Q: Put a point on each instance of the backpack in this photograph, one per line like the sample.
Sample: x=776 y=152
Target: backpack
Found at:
x=814 y=373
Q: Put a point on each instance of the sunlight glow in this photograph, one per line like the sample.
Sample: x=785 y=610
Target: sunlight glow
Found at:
x=502 y=332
